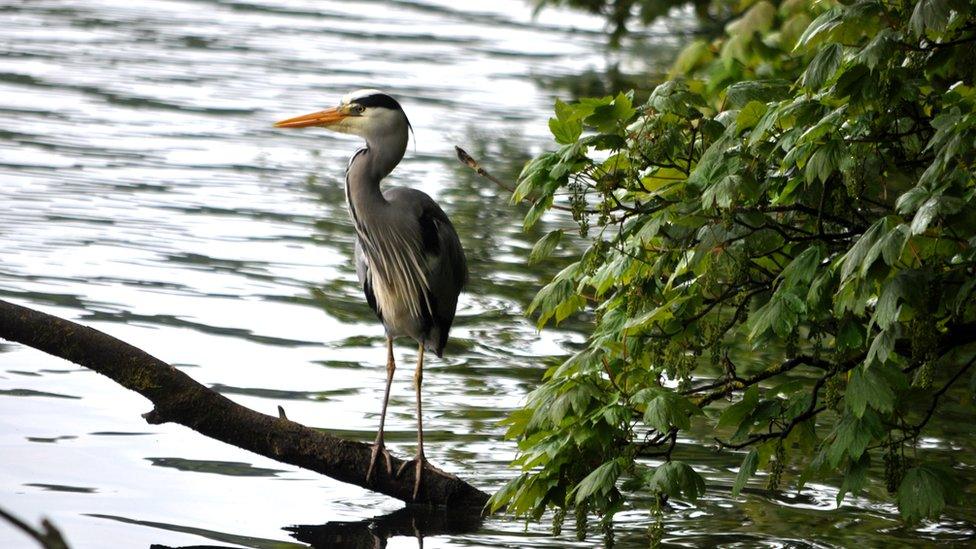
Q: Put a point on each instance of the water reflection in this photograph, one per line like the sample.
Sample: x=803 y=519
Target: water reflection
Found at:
x=411 y=521
x=215 y=535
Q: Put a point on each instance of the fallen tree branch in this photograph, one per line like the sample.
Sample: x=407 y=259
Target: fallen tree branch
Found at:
x=179 y=399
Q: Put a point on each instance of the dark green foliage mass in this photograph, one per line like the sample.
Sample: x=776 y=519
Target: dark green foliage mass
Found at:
x=781 y=247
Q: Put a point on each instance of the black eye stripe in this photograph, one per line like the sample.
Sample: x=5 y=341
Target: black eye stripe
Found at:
x=378 y=100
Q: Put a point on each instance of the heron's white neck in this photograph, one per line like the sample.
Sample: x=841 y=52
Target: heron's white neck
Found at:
x=363 y=185
x=386 y=147
x=367 y=168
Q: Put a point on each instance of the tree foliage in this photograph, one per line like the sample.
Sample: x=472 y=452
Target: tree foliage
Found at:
x=781 y=247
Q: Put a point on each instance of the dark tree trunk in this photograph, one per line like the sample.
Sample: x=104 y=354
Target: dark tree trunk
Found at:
x=178 y=398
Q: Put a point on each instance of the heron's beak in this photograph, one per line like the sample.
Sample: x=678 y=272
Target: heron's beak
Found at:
x=324 y=118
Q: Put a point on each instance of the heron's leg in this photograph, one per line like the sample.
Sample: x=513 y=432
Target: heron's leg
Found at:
x=379 y=446
x=420 y=461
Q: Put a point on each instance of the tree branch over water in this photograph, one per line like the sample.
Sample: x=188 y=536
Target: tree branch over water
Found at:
x=177 y=398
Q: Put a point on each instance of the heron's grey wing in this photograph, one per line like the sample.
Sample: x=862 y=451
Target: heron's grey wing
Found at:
x=448 y=270
x=362 y=272
x=428 y=232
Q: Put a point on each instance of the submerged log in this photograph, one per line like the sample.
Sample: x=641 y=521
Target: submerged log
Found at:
x=177 y=398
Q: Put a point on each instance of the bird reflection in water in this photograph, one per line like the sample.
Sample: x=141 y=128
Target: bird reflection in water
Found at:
x=415 y=521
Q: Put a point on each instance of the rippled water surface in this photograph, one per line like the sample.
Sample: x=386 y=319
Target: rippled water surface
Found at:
x=144 y=192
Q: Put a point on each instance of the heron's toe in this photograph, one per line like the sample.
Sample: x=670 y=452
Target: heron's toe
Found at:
x=379 y=448
x=419 y=464
x=419 y=475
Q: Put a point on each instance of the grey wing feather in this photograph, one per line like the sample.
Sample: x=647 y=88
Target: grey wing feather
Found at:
x=448 y=276
x=447 y=266
x=362 y=272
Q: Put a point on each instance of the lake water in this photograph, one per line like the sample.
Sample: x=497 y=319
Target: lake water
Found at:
x=144 y=192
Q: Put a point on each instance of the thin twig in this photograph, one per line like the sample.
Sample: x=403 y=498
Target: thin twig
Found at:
x=49 y=538
x=469 y=161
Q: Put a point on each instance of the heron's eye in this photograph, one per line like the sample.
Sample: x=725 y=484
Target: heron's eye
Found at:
x=358 y=109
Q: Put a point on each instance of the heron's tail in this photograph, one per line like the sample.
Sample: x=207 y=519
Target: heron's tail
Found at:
x=436 y=341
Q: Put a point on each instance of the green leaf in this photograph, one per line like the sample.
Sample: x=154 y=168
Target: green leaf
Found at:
x=559 y=290
x=567 y=131
x=852 y=436
x=758 y=18
x=853 y=83
x=923 y=492
x=890 y=245
x=880 y=47
x=824 y=161
x=712 y=165
x=612 y=116
x=503 y=496
x=575 y=303
x=867 y=388
x=676 y=479
x=750 y=115
x=721 y=193
x=779 y=315
x=823 y=66
x=665 y=408
x=674 y=97
x=692 y=54
x=733 y=415
x=545 y=246
x=538 y=208
x=855 y=477
x=925 y=214
x=533 y=176
x=827 y=125
x=930 y=15
x=855 y=258
x=748 y=468
x=889 y=236
x=886 y=309
x=850 y=336
x=819 y=28
x=600 y=481
x=741 y=93
x=764 y=126
x=882 y=347
x=912 y=199
x=655 y=316
x=802 y=269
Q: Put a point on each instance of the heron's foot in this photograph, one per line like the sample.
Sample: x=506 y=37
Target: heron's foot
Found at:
x=379 y=448
x=419 y=463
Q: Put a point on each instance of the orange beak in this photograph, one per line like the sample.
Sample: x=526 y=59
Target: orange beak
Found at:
x=325 y=118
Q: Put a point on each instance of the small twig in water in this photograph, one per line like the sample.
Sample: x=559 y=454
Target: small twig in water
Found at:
x=49 y=538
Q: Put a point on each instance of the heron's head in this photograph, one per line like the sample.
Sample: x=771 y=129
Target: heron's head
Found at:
x=370 y=114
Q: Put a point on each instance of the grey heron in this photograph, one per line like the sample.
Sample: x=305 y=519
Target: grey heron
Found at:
x=408 y=256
